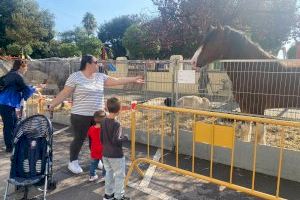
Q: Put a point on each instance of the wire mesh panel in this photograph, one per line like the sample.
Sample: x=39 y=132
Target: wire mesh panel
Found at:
x=128 y=92
x=255 y=87
x=265 y=87
x=157 y=87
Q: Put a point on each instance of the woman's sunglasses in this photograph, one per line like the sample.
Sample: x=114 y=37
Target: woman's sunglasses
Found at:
x=23 y=63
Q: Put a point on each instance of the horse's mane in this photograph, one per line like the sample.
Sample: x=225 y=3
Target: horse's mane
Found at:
x=242 y=37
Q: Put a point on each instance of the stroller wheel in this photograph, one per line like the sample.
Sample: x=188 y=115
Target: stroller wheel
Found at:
x=19 y=188
x=51 y=185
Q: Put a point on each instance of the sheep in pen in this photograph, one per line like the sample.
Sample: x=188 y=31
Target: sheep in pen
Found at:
x=189 y=102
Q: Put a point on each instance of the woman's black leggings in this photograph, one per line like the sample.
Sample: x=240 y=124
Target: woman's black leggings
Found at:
x=80 y=125
x=9 y=119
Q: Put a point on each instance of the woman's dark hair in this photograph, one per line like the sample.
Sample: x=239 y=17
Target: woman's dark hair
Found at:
x=18 y=64
x=84 y=60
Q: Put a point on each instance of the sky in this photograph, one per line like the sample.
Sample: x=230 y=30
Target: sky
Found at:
x=69 y=13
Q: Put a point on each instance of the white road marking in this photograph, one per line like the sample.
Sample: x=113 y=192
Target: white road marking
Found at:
x=150 y=171
x=151 y=192
x=60 y=130
x=221 y=188
x=143 y=186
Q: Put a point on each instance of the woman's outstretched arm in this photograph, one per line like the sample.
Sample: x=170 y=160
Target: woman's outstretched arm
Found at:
x=66 y=92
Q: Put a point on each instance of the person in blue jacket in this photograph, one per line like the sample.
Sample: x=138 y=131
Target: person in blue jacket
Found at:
x=14 y=90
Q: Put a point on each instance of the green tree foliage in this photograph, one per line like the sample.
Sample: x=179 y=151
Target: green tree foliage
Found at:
x=47 y=22
x=135 y=40
x=182 y=24
x=89 y=23
x=132 y=41
x=90 y=45
x=79 y=34
x=69 y=50
x=7 y=7
x=24 y=23
x=273 y=23
x=77 y=42
x=25 y=30
x=16 y=49
x=67 y=36
x=45 y=49
x=54 y=48
x=113 y=32
x=2 y=52
x=73 y=35
x=40 y=50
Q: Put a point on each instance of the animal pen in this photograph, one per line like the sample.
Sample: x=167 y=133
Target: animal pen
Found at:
x=264 y=140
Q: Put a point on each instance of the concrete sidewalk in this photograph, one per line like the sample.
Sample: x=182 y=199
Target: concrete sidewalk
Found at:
x=75 y=187
x=161 y=184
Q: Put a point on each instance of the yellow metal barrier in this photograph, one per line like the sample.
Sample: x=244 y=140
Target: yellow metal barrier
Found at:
x=212 y=134
x=198 y=176
x=35 y=105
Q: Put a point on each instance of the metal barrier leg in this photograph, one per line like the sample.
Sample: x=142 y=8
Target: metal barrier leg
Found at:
x=129 y=173
x=134 y=165
x=6 y=190
x=139 y=171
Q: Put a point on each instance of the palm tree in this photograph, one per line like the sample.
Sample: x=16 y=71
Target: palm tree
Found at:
x=89 y=23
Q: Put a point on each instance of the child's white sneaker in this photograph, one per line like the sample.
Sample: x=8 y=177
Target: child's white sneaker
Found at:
x=93 y=178
x=74 y=167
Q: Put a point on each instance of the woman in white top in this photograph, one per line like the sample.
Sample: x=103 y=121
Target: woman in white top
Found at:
x=87 y=87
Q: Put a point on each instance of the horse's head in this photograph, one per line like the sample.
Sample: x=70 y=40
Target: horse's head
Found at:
x=211 y=48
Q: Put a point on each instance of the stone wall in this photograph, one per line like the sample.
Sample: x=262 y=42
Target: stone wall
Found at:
x=55 y=70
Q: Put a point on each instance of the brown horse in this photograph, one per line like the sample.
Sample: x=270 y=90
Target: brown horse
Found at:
x=256 y=85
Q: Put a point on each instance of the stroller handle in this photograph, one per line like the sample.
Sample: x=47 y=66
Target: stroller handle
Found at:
x=50 y=112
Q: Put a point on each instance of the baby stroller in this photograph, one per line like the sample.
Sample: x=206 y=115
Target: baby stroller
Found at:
x=31 y=160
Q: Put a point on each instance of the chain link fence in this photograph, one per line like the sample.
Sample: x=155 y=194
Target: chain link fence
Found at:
x=161 y=81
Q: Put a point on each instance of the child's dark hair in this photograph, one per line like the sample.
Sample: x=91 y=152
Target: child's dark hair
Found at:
x=113 y=105
x=99 y=114
x=18 y=64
